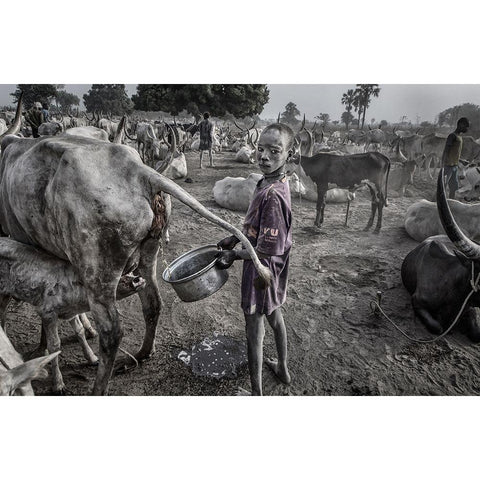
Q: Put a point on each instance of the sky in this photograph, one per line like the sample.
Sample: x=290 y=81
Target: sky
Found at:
x=424 y=101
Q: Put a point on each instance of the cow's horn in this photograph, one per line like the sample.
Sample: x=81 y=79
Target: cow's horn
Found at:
x=235 y=123
x=303 y=124
x=120 y=129
x=458 y=238
x=278 y=118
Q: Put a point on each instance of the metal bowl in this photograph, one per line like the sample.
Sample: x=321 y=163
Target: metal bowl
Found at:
x=194 y=274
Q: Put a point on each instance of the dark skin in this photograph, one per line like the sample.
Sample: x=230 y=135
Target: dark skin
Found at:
x=272 y=155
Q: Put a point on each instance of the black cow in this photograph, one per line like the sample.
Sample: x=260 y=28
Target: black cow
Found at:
x=437 y=274
x=349 y=171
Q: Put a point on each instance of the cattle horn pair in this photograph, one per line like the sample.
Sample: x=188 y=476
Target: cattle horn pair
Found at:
x=466 y=246
x=15 y=126
x=126 y=133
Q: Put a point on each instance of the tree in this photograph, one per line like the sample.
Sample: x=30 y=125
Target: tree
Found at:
x=364 y=93
x=347 y=118
x=36 y=92
x=66 y=100
x=348 y=100
x=111 y=98
x=239 y=100
x=290 y=114
x=451 y=115
x=324 y=118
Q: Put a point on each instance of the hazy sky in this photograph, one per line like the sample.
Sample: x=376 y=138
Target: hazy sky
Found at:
x=395 y=101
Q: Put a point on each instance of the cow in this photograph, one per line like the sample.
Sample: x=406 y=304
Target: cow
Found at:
x=88 y=132
x=469 y=180
x=349 y=171
x=355 y=136
x=235 y=193
x=433 y=145
x=50 y=128
x=438 y=275
x=15 y=374
x=422 y=220
x=96 y=205
x=109 y=126
x=51 y=285
x=374 y=137
x=3 y=126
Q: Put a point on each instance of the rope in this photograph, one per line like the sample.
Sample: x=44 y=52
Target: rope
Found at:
x=375 y=306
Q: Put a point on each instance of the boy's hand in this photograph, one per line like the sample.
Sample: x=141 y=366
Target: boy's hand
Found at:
x=228 y=243
x=225 y=259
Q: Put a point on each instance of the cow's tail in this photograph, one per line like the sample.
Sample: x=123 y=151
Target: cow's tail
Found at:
x=160 y=183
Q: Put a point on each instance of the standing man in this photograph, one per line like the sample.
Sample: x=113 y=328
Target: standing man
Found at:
x=451 y=155
x=206 y=129
x=34 y=117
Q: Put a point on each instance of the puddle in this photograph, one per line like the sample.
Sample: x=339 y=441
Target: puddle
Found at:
x=216 y=357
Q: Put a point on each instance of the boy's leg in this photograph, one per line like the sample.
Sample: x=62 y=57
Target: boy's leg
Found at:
x=211 y=157
x=201 y=156
x=254 y=326
x=275 y=319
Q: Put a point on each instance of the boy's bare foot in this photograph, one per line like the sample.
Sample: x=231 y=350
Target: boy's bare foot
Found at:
x=280 y=372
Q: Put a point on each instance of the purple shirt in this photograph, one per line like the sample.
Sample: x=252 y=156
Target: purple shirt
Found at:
x=268 y=227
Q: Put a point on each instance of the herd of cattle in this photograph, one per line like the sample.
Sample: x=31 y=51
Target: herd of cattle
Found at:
x=85 y=206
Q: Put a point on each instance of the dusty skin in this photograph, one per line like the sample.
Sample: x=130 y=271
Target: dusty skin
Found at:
x=335 y=346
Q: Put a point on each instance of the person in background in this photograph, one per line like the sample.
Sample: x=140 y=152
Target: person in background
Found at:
x=34 y=118
x=451 y=155
x=206 y=129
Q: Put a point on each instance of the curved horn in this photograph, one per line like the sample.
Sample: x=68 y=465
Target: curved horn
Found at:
x=278 y=118
x=240 y=128
x=15 y=126
x=303 y=124
x=172 y=148
x=314 y=126
x=126 y=133
x=120 y=129
x=394 y=128
x=458 y=238
x=418 y=129
x=253 y=126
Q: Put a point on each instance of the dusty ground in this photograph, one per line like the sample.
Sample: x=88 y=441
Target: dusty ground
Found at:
x=336 y=346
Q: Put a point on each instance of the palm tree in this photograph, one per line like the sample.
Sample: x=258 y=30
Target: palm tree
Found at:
x=348 y=100
x=365 y=92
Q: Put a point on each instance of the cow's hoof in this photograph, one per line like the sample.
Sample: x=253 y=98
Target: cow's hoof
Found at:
x=377 y=230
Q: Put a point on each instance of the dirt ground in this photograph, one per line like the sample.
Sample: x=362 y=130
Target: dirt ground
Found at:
x=336 y=346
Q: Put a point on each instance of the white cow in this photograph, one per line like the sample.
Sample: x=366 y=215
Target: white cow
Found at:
x=235 y=193
x=3 y=126
x=89 y=132
x=422 y=220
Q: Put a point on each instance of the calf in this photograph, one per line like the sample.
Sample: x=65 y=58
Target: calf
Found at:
x=349 y=171
x=51 y=285
x=15 y=375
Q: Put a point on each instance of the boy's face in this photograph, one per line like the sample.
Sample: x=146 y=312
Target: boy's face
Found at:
x=272 y=152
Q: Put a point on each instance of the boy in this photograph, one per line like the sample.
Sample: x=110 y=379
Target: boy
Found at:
x=267 y=225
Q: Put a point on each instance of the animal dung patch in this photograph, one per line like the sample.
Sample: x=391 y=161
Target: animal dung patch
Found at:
x=216 y=357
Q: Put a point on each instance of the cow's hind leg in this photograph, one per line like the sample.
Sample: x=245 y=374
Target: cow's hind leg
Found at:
x=50 y=324
x=374 y=208
x=90 y=332
x=110 y=334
